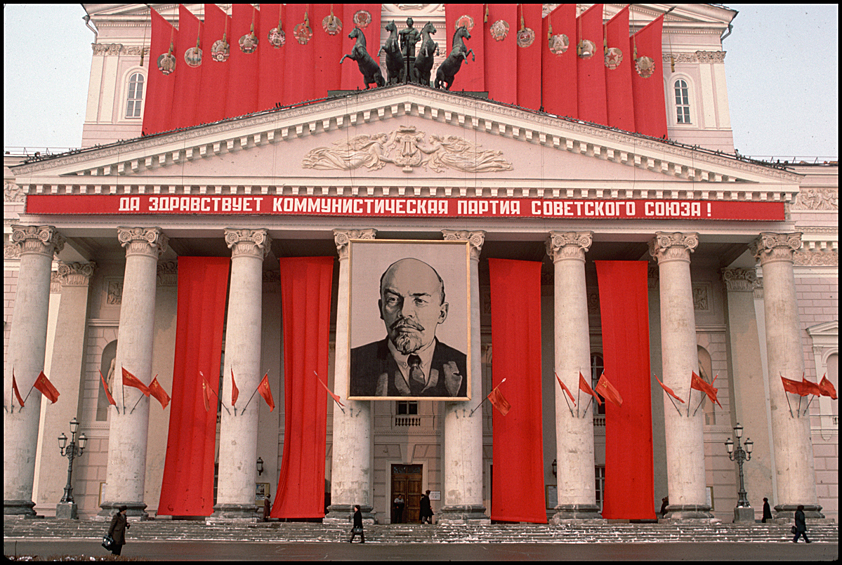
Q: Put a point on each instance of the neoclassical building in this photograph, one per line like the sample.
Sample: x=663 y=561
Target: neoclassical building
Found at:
x=741 y=288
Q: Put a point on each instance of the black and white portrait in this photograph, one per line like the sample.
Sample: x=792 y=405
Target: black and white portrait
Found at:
x=409 y=320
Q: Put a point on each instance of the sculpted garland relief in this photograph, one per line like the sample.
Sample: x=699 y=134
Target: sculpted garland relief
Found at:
x=407 y=148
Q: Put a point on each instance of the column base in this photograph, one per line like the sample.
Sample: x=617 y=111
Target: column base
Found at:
x=19 y=509
x=687 y=512
x=344 y=514
x=463 y=515
x=136 y=510
x=566 y=513
x=744 y=514
x=233 y=513
x=786 y=512
x=67 y=511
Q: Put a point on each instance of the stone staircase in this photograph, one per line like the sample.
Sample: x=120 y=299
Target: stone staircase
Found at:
x=606 y=532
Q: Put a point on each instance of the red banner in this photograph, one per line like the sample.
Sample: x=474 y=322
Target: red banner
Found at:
x=327 y=73
x=426 y=207
x=210 y=107
x=629 y=471
x=299 y=57
x=591 y=66
x=306 y=284
x=650 y=115
x=529 y=58
x=518 y=486
x=558 y=40
x=500 y=52
x=158 y=108
x=618 y=72
x=351 y=78
x=270 y=58
x=471 y=75
x=243 y=62
x=187 y=487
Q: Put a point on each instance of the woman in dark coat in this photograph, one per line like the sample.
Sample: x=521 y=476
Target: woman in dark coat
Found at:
x=358 y=525
x=117 y=529
x=800 y=525
x=767 y=511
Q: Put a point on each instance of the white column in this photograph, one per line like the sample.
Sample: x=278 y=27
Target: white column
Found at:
x=128 y=430
x=796 y=478
x=574 y=427
x=351 y=471
x=238 y=431
x=463 y=500
x=680 y=358
x=25 y=355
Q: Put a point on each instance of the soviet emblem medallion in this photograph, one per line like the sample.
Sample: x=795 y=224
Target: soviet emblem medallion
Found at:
x=466 y=21
x=558 y=44
x=277 y=37
x=499 y=30
x=302 y=33
x=220 y=51
x=613 y=58
x=332 y=25
x=525 y=37
x=644 y=66
x=166 y=63
x=248 y=43
x=586 y=49
x=193 y=57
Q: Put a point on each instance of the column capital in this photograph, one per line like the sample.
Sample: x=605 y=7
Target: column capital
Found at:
x=568 y=245
x=673 y=246
x=739 y=280
x=150 y=242
x=75 y=274
x=771 y=247
x=248 y=243
x=343 y=237
x=39 y=240
x=475 y=238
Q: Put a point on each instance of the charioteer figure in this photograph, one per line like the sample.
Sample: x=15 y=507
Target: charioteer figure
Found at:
x=409 y=37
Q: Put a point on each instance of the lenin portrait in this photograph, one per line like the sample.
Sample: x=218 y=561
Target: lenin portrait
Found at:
x=398 y=349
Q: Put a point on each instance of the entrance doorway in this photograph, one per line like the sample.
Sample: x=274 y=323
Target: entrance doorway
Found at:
x=406 y=480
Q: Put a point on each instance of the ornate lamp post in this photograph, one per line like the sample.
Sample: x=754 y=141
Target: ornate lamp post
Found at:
x=67 y=507
x=743 y=512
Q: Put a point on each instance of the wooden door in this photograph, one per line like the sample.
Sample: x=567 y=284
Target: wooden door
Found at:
x=406 y=480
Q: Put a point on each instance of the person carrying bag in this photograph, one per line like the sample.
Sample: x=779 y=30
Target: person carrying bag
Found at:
x=115 y=539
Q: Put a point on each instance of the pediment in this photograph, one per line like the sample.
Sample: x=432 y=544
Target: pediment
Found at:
x=548 y=155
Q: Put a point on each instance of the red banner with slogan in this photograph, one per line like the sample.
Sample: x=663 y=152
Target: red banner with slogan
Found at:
x=624 y=306
x=306 y=284
x=424 y=207
x=558 y=40
x=518 y=486
x=187 y=486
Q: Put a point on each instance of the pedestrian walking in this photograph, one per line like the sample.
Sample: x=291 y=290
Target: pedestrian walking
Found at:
x=358 y=525
x=767 y=511
x=664 y=503
x=800 y=527
x=398 y=506
x=426 y=509
x=117 y=529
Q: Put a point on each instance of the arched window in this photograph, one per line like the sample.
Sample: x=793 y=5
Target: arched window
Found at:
x=134 y=98
x=682 y=102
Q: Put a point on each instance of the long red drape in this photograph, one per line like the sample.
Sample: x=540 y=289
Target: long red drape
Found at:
x=518 y=483
x=306 y=284
x=243 y=77
x=624 y=305
x=500 y=54
x=270 y=59
x=187 y=79
x=327 y=73
x=650 y=115
x=618 y=81
x=559 y=78
x=591 y=71
x=187 y=487
x=529 y=59
x=210 y=106
x=157 y=109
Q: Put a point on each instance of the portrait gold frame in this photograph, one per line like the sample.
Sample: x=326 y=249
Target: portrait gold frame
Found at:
x=369 y=258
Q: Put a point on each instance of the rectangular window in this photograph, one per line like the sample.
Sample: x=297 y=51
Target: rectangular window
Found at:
x=406 y=408
x=599 y=475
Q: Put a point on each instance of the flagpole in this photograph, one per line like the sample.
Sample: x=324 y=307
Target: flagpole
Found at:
x=786 y=394
x=586 y=408
x=336 y=401
x=250 y=397
x=567 y=402
x=136 y=403
x=808 y=406
x=699 y=406
x=486 y=397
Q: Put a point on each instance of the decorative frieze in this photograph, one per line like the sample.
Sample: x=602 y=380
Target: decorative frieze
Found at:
x=12 y=192
x=816 y=199
x=343 y=237
x=43 y=240
x=151 y=242
x=775 y=246
x=110 y=49
x=168 y=273
x=740 y=280
x=114 y=292
x=568 y=245
x=701 y=297
x=76 y=274
x=673 y=246
x=816 y=258
x=475 y=238
x=696 y=57
x=248 y=243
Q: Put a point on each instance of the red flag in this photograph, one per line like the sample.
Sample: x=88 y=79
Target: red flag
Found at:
x=607 y=390
x=700 y=385
x=793 y=387
x=565 y=389
x=668 y=390
x=584 y=386
x=205 y=392
x=131 y=380
x=471 y=75
x=330 y=392
x=266 y=392
x=811 y=387
x=235 y=392
x=160 y=87
x=529 y=59
x=618 y=72
x=558 y=59
x=825 y=385
x=502 y=50
x=43 y=384
x=270 y=57
x=499 y=402
x=156 y=390
x=15 y=388
x=243 y=67
x=107 y=392
x=650 y=114
x=210 y=106
x=590 y=69
x=188 y=77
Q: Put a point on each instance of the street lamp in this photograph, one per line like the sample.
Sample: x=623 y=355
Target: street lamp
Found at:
x=70 y=451
x=739 y=455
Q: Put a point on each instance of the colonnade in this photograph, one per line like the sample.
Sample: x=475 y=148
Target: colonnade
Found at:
x=352 y=472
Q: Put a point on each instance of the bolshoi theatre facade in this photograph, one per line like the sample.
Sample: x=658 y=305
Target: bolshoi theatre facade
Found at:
x=739 y=286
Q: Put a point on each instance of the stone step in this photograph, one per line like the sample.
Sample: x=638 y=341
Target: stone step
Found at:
x=49 y=528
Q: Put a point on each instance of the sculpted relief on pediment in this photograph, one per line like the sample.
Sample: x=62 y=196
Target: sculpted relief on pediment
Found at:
x=407 y=148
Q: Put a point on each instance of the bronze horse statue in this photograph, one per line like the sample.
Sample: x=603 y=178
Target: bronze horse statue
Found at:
x=453 y=63
x=368 y=66
x=424 y=60
x=395 y=68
